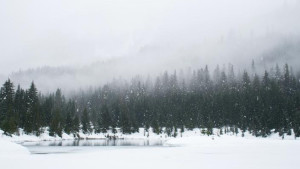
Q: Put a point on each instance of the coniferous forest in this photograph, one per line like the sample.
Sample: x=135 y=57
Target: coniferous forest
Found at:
x=255 y=102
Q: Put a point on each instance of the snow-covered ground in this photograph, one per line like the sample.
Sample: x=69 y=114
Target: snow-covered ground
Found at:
x=22 y=137
x=192 y=150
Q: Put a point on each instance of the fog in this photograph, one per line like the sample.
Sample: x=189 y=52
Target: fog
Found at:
x=75 y=44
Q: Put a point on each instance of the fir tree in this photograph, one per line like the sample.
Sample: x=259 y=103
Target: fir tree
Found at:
x=7 y=113
x=56 y=125
x=105 y=119
x=76 y=124
x=33 y=110
x=85 y=122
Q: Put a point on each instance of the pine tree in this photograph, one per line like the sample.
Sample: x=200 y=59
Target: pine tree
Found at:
x=85 y=122
x=68 y=128
x=296 y=123
x=76 y=124
x=56 y=125
x=125 y=121
x=7 y=112
x=68 y=123
x=34 y=109
x=255 y=105
x=20 y=107
x=105 y=119
x=265 y=119
x=244 y=108
x=156 y=127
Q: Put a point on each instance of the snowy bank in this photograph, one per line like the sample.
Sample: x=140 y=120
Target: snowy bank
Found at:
x=196 y=138
x=141 y=134
x=199 y=152
x=22 y=137
x=193 y=150
x=8 y=148
x=44 y=136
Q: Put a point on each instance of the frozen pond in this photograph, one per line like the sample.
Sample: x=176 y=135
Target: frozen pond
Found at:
x=192 y=153
x=73 y=146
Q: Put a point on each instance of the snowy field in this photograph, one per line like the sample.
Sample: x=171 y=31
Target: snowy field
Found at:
x=189 y=151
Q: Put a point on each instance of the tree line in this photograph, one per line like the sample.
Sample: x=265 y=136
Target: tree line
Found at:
x=253 y=102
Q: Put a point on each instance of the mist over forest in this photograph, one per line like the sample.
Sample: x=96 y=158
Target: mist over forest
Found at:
x=85 y=45
x=71 y=78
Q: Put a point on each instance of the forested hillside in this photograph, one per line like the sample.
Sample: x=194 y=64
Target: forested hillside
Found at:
x=185 y=100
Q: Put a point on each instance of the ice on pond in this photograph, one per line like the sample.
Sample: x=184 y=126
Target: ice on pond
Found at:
x=69 y=146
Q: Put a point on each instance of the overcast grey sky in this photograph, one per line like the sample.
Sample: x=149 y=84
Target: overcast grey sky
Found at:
x=35 y=33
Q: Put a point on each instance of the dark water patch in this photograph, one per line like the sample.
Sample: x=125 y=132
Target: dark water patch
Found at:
x=73 y=146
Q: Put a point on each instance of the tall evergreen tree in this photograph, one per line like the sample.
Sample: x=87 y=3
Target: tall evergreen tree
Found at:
x=7 y=113
x=105 y=118
x=85 y=122
x=34 y=109
x=20 y=106
x=56 y=124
